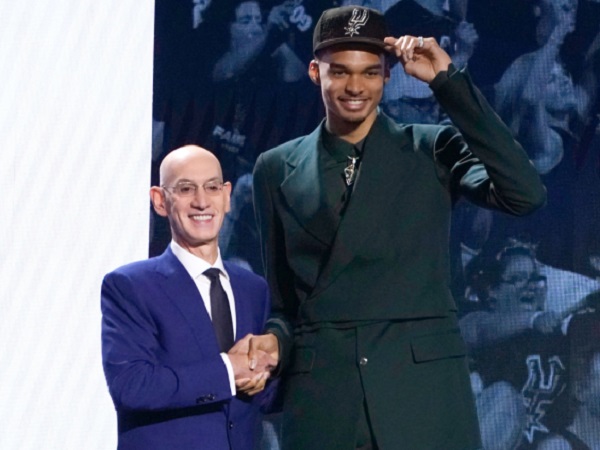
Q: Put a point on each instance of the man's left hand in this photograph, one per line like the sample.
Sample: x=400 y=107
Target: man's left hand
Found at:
x=250 y=378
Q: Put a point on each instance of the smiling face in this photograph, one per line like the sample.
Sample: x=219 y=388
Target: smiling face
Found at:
x=195 y=219
x=351 y=83
x=517 y=290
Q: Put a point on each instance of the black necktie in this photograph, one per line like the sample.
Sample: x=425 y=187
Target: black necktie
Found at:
x=220 y=311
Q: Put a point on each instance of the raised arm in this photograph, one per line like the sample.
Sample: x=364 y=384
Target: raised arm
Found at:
x=484 y=162
x=481 y=329
x=487 y=165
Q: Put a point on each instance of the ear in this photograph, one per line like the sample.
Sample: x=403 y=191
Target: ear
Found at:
x=227 y=193
x=313 y=72
x=157 y=196
x=386 y=73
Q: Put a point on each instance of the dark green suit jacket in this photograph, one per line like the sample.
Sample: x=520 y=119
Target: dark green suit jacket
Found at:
x=388 y=265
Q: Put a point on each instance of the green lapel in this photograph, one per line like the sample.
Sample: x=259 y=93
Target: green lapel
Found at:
x=302 y=190
x=386 y=167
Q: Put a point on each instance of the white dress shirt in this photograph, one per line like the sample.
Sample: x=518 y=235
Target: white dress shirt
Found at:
x=196 y=267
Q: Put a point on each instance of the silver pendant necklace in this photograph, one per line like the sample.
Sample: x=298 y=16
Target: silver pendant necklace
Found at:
x=350 y=171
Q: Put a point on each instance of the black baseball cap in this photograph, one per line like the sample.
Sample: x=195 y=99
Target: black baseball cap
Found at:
x=350 y=25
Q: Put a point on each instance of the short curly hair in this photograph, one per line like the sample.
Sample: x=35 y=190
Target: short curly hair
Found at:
x=485 y=270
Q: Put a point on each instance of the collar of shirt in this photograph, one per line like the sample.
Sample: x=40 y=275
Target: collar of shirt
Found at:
x=195 y=265
x=338 y=148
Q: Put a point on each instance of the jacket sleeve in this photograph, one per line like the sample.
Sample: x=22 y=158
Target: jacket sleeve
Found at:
x=485 y=163
x=277 y=271
x=143 y=370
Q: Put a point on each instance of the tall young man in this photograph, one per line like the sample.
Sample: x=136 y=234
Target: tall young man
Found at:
x=354 y=222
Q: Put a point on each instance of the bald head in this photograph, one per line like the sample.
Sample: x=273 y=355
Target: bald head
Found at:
x=194 y=198
x=179 y=158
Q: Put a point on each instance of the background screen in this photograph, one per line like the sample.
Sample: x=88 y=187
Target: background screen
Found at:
x=230 y=75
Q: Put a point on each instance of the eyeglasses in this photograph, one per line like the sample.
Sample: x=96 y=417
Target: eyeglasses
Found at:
x=519 y=281
x=186 y=189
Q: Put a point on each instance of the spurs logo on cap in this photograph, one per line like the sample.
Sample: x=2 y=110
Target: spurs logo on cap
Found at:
x=350 y=25
x=359 y=19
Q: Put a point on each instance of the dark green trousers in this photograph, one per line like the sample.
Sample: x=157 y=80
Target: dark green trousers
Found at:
x=412 y=376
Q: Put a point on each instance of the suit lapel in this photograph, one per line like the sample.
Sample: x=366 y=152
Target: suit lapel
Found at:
x=178 y=286
x=301 y=188
x=385 y=169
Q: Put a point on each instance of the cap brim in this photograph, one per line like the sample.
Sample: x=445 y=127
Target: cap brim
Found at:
x=350 y=40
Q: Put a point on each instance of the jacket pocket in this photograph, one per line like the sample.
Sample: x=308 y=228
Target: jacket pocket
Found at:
x=438 y=346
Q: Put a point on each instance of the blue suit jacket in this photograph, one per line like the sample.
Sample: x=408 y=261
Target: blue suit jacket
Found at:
x=161 y=358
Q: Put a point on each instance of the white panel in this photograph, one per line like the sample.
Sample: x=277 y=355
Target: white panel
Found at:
x=75 y=124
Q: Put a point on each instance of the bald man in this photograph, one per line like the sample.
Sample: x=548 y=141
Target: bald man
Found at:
x=169 y=324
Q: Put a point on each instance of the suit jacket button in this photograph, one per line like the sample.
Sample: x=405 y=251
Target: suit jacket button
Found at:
x=206 y=398
x=363 y=361
x=230 y=425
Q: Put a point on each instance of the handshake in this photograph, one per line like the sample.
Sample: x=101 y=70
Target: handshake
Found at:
x=253 y=358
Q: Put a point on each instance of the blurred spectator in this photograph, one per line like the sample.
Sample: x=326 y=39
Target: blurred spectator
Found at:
x=547 y=111
x=518 y=348
x=585 y=67
x=261 y=94
x=249 y=36
x=256 y=96
x=536 y=96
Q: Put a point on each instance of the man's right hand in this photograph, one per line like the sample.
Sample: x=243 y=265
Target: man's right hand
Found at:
x=250 y=375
